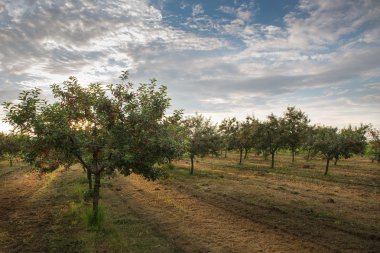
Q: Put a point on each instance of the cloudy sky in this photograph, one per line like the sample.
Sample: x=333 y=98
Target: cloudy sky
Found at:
x=222 y=58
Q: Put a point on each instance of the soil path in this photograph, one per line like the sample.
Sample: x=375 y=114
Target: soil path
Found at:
x=197 y=226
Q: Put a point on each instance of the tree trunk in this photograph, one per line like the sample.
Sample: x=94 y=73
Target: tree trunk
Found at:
x=192 y=165
x=241 y=155
x=308 y=155
x=11 y=162
x=246 y=153
x=95 y=202
x=89 y=178
x=327 y=166
x=272 y=165
x=67 y=166
x=336 y=161
x=225 y=153
x=293 y=154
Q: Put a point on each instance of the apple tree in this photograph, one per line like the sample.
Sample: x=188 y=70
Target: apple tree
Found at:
x=103 y=128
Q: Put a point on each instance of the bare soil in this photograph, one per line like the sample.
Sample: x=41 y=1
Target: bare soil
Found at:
x=23 y=217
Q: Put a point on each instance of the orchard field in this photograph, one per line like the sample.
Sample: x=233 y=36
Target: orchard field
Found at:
x=223 y=207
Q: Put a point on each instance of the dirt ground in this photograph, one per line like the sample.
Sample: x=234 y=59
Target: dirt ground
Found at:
x=24 y=217
x=223 y=208
x=198 y=226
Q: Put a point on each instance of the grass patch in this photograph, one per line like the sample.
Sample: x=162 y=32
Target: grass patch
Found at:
x=113 y=229
x=94 y=220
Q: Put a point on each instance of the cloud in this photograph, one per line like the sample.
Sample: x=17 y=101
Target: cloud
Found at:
x=197 y=10
x=45 y=39
x=223 y=62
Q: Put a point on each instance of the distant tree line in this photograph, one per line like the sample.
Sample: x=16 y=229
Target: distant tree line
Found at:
x=292 y=132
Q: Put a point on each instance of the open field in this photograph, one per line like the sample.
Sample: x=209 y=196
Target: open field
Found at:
x=224 y=207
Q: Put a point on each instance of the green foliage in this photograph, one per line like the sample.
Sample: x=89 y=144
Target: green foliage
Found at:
x=352 y=141
x=202 y=138
x=238 y=135
x=271 y=136
x=173 y=137
x=296 y=129
x=308 y=142
x=117 y=127
x=333 y=144
x=373 y=150
x=12 y=146
x=327 y=142
x=228 y=130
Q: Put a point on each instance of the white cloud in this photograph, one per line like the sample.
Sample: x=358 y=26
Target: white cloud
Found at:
x=197 y=10
x=323 y=44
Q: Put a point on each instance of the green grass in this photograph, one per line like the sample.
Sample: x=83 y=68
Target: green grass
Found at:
x=284 y=167
x=112 y=230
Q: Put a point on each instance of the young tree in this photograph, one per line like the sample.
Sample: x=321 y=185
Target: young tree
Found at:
x=374 y=145
x=308 y=142
x=108 y=128
x=228 y=130
x=12 y=145
x=201 y=137
x=173 y=137
x=296 y=125
x=353 y=141
x=271 y=136
x=244 y=137
x=327 y=142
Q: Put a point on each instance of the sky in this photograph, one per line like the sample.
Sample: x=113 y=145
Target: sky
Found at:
x=221 y=58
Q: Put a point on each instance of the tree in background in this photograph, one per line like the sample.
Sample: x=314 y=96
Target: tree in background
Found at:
x=271 y=136
x=308 y=142
x=228 y=130
x=108 y=128
x=374 y=145
x=11 y=146
x=2 y=138
x=202 y=137
x=173 y=137
x=327 y=142
x=246 y=133
x=296 y=126
x=352 y=141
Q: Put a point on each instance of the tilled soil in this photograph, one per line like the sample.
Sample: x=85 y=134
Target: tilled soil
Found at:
x=197 y=225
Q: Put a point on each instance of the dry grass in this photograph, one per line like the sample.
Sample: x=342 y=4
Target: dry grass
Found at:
x=224 y=207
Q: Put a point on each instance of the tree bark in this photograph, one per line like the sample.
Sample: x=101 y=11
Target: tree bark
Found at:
x=246 y=153
x=95 y=202
x=192 y=165
x=241 y=154
x=225 y=153
x=293 y=154
x=327 y=166
x=67 y=166
x=89 y=178
x=11 y=162
x=272 y=165
x=336 y=161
